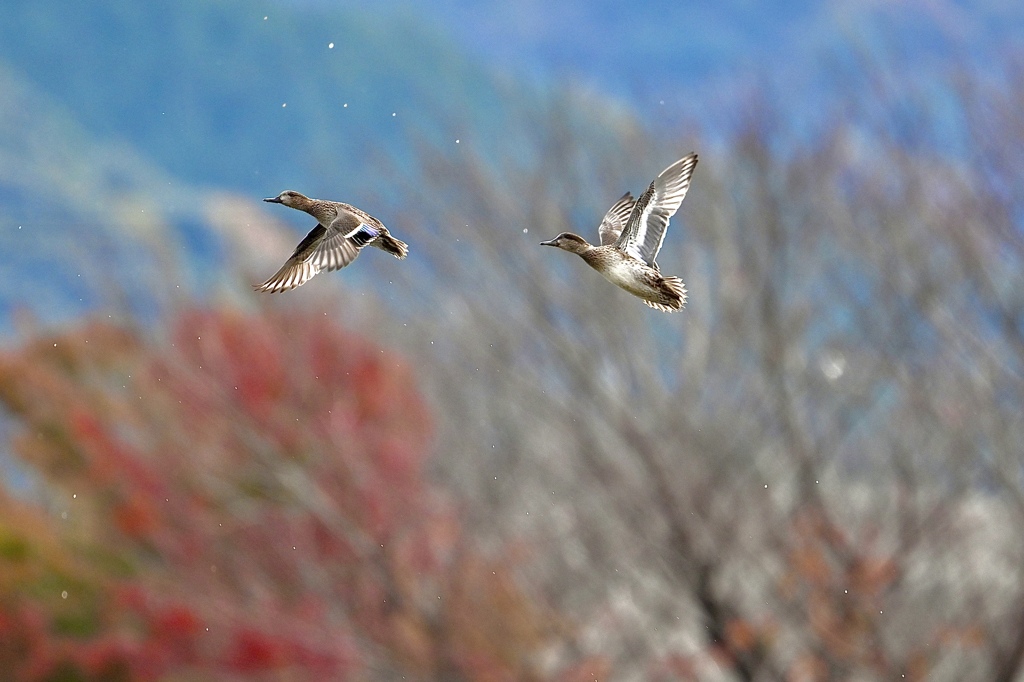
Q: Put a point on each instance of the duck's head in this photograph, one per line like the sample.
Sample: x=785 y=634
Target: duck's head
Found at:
x=568 y=242
x=289 y=198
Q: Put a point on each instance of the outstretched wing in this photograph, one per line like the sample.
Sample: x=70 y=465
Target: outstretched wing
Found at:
x=345 y=237
x=324 y=248
x=615 y=219
x=645 y=229
x=298 y=269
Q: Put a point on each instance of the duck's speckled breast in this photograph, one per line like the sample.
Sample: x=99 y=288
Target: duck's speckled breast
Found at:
x=623 y=271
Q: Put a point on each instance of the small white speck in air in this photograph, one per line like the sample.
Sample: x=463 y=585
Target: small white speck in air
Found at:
x=662 y=102
x=345 y=105
x=766 y=486
x=283 y=105
x=525 y=230
x=330 y=46
x=54 y=345
x=293 y=546
x=74 y=496
x=457 y=141
x=264 y=19
x=64 y=594
x=394 y=113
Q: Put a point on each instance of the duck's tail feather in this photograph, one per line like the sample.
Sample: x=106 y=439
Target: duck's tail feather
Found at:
x=396 y=247
x=675 y=295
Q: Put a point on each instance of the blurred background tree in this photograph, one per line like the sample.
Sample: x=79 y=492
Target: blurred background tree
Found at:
x=484 y=463
x=246 y=498
x=815 y=474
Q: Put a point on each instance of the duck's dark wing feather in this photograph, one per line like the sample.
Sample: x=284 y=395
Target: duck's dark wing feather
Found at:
x=645 y=229
x=615 y=219
x=297 y=269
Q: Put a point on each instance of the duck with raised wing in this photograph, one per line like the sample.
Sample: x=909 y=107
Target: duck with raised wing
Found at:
x=631 y=235
x=341 y=232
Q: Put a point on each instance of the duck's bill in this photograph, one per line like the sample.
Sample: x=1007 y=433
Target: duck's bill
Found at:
x=550 y=242
x=273 y=200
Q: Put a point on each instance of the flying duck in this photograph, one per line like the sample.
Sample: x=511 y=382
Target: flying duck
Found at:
x=631 y=235
x=341 y=232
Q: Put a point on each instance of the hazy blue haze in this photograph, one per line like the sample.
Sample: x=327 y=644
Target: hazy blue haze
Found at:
x=254 y=97
x=200 y=86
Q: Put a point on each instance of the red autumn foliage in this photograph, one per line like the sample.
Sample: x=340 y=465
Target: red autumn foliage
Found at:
x=245 y=500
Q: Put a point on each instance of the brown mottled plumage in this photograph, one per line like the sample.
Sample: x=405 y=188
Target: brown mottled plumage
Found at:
x=341 y=232
x=631 y=235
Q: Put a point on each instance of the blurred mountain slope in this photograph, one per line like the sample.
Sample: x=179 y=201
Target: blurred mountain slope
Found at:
x=238 y=94
x=86 y=221
x=681 y=60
